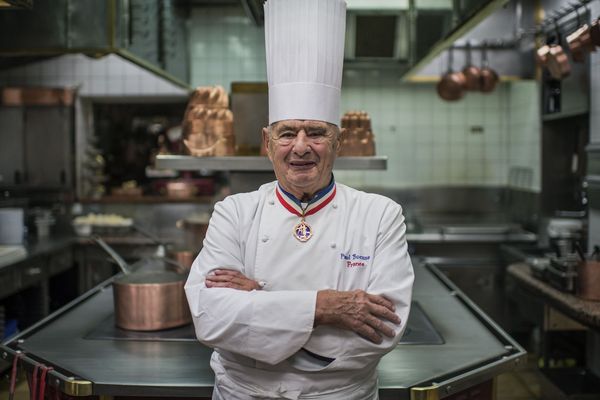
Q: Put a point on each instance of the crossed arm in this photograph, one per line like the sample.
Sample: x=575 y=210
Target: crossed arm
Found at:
x=354 y=310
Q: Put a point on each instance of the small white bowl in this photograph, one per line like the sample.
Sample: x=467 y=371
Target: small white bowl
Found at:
x=82 y=229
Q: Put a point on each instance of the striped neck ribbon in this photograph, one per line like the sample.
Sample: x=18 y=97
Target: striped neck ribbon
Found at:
x=294 y=205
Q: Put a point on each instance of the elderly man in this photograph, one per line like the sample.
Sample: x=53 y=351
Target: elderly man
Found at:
x=303 y=285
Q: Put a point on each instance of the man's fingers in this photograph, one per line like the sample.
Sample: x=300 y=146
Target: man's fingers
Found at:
x=380 y=326
x=382 y=301
x=368 y=333
x=385 y=313
x=224 y=278
x=235 y=279
x=229 y=272
x=222 y=285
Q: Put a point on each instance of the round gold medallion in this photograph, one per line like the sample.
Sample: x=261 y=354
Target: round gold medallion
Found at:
x=302 y=231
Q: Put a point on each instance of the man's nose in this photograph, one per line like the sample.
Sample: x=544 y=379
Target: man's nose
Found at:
x=301 y=144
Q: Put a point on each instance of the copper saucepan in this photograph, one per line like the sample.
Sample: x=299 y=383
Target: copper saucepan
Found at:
x=451 y=86
x=471 y=72
x=489 y=78
x=595 y=32
x=178 y=257
x=148 y=300
x=558 y=63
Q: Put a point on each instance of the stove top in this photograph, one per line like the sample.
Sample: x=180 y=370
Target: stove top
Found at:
x=419 y=331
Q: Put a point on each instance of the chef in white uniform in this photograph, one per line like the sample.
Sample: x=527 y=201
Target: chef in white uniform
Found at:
x=303 y=285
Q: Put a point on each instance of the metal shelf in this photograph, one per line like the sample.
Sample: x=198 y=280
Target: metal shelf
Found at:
x=257 y=163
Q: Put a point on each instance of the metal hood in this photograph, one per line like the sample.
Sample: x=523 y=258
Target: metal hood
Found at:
x=399 y=34
x=150 y=33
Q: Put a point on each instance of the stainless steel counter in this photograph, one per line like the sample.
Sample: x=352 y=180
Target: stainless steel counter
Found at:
x=442 y=236
x=474 y=350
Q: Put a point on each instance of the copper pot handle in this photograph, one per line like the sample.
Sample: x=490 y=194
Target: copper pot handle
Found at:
x=111 y=252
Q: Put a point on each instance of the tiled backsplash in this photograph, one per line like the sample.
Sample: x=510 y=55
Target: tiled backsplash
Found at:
x=481 y=140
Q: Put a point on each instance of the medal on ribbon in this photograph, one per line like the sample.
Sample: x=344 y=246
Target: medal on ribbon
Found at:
x=302 y=230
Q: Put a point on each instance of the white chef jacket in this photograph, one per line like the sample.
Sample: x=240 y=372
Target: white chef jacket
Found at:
x=358 y=242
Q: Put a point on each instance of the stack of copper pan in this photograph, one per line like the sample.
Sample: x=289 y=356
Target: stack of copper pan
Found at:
x=358 y=139
x=208 y=123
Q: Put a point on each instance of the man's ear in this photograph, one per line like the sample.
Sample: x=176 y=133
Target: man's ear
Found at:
x=265 y=141
x=340 y=137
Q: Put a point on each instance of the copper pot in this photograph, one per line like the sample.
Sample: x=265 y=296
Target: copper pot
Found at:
x=194 y=228
x=148 y=300
x=451 y=86
x=558 y=63
x=472 y=73
x=489 y=78
x=541 y=55
x=185 y=258
x=595 y=32
x=588 y=280
x=181 y=189
x=580 y=42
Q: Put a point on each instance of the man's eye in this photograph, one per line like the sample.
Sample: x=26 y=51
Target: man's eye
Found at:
x=287 y=135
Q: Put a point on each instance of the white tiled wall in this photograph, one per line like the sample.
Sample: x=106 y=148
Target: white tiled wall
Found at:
x=524 y=139
x=428 y=141
x=107 y=76
x=225 y=47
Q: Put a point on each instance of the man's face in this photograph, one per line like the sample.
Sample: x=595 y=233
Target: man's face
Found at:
x=302 y=153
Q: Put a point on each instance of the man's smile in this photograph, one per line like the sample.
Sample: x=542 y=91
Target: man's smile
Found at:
x=302 y=164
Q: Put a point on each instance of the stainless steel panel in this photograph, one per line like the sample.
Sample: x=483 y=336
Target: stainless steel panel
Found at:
x=45 y=27
x=48 y=146
x=12 y=164
x=87 y=22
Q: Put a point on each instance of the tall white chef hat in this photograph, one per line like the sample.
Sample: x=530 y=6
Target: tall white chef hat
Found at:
x=305 y=54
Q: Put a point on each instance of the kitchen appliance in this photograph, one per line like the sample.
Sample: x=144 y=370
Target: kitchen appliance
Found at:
x=12 y=228
x=149 y=299
x=561 y=273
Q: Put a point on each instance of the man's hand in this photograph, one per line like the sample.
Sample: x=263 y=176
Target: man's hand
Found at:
x=357 y=311
x=227 y=278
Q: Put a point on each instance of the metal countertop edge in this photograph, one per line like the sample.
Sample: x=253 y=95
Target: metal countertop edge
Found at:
x=456 y=382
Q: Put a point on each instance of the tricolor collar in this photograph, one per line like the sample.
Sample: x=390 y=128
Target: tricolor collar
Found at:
x=293 y=205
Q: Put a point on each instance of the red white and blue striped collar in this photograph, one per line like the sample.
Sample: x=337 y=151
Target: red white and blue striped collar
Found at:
x=293 y=205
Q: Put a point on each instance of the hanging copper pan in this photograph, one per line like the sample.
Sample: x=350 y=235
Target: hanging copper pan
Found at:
x=595 y=32
x=558 y=63
x=150 y=299
x=541 y=55
x=451 y=86
x=472 y=73
x=580 y=41
x=489 y=78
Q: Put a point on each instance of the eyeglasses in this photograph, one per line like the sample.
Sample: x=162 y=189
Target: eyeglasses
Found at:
x=316 y=136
